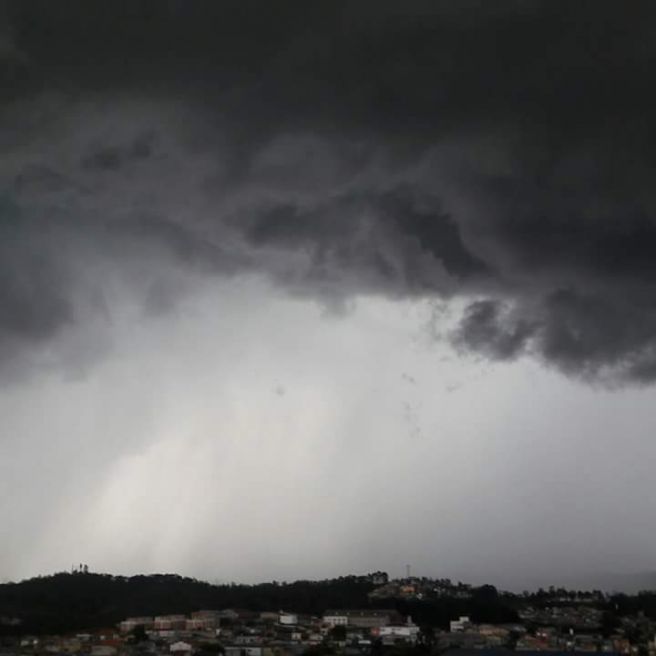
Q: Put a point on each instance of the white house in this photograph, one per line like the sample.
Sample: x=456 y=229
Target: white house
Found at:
x=459 y=625
x=332 y=618
x=288 y=619
x=405 y=631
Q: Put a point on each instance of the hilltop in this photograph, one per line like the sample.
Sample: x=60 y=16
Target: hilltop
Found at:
x=66 y=602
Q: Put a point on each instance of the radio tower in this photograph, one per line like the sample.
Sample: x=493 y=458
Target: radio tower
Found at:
x=407 y=571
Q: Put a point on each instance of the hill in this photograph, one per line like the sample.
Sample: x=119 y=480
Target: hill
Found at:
x=72 y=602
x=65 y=602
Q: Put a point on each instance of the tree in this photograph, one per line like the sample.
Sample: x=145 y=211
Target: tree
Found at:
x=338 y=633
x=377 y=647
x=426 y=638
x=139 y=633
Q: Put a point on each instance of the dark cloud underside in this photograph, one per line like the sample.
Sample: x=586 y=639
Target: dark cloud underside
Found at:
x=498 y=151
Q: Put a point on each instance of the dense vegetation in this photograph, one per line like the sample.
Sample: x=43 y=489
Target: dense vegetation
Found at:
x=68 y=602
x=485 y=606
x=65 y=602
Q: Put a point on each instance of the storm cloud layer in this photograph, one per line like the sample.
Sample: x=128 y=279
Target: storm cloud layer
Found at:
x=496 y=153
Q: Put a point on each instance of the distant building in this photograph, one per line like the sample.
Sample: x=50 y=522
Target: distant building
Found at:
x=288 y=619
x=379 y=578
x=206 y=615
x=227 y=614
x=204 y=620
x=131 y=623
x=170 y=623
x=268 y=616
x=70 y=646
x=238 y=650
x=244 y=614
x=459 y=625
x=408 y=632
x=103 y=650
x=365 y=619
x=335 y=618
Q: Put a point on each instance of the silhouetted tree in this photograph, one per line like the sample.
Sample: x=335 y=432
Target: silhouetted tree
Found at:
x=139 y=633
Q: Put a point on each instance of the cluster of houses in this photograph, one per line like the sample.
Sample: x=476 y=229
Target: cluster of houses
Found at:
x=464 y=634
x=581 y=616
x=233 y=632
x=247 y=633
x=421 y=588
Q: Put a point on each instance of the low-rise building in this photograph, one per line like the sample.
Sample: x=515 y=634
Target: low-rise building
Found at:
x=459 y=625
x=335 y=618
x=367 y=619
x=241 y=650
x=131 y=623
x=408 y=632
x=170 y=623
x=103 y=650
x=288 y=619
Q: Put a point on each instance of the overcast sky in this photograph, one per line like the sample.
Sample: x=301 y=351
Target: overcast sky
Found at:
x=299 y=289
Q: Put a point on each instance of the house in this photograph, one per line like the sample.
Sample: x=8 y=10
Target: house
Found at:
x=241 y=650
x=70 y=645
x=459 y=625
x=379 y=578
x=228 y=614
x=268 y=616
x=131 y=623
x=103 y=650
x=408 y=632
x=288 y=619
x=335 y=618
x=207 y=614
x=204 y=620
x=170 y=623
x=366 y=619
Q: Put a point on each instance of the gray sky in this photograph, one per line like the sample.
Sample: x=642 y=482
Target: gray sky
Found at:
x=299 y=290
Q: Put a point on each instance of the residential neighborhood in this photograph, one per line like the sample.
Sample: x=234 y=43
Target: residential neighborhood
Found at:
x=554 y=621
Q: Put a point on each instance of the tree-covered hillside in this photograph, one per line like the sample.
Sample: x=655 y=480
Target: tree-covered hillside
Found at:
x=65 y=602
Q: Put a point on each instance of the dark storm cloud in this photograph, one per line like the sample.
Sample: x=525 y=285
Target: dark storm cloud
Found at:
x=487 y=327
x=32 y=304
x=113 y=158
x=502 y=151
x=397 y=238
x=582 y=335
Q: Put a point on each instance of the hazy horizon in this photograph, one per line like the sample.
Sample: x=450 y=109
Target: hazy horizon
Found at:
x=607 y=582
x=295 y=289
